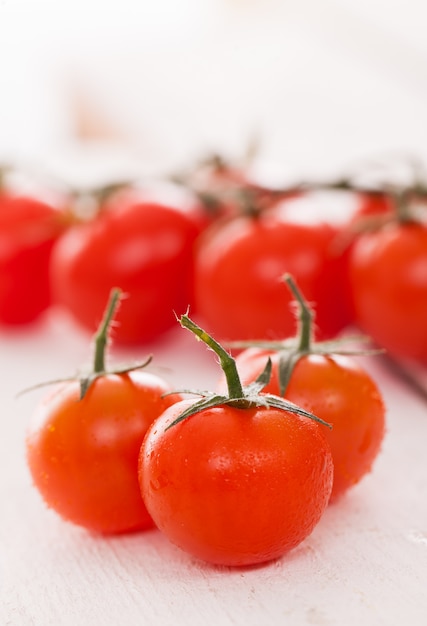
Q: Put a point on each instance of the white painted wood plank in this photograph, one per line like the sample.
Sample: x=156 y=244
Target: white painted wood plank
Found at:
x=366 y=562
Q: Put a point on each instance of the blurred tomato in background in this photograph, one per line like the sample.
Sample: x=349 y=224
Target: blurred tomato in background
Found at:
x=143 y=248
x=240 y=263
x=29 y=228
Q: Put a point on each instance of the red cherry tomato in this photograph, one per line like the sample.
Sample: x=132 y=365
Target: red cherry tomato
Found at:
x=146 y=249
x=235 y=486
x=28 y=231
x=238 y=267
x=83 y=454
x=340 y=392
x=388 y=279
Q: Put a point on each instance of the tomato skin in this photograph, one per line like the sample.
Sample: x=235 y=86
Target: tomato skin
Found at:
x=238 y=270
x=28 y=231
x=235 y=486
x=144 y=249
x=339 y=391
x=83 y=454
x=388 y=279
x=373 y=204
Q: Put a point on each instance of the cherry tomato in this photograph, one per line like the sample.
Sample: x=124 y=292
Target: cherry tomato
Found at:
x=84 y=440
x=238 y=267
x=28 y=231
x=388 y=279
x=368 y=209
x=235 y=486
x=339 y=391
x=237 y=478
x=146 y=249
x=83 y=454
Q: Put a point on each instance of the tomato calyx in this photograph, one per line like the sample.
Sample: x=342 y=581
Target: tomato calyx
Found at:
x=218 y=182
x=292 y=349
x=238 y=396
x=100 y=340
x=87 y=203
x=224 y=189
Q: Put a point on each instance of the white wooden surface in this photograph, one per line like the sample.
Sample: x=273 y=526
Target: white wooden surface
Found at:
x=365 y=563
x=324 y=82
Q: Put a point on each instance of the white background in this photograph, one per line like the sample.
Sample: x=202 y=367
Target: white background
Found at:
x=149 y=85
x=321 y=83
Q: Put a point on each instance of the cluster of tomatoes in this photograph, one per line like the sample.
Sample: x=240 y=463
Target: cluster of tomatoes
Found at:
x=241 y=474
x=235 y=476
x=220 y=249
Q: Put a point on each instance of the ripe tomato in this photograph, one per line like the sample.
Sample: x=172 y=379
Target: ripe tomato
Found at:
x=238 y=267
x=144 y=248
x=388 y=280
x=238 y=478
x=84 y=440
x=339 y=391
x=83 y=454
x=28 y=231
x=235 y=486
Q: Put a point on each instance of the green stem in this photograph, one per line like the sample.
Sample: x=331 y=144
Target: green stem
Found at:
x=228 y=364
x=101 y=336
x=305 y=316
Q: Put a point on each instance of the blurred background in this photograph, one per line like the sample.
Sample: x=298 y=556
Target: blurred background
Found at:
x=318 y=83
